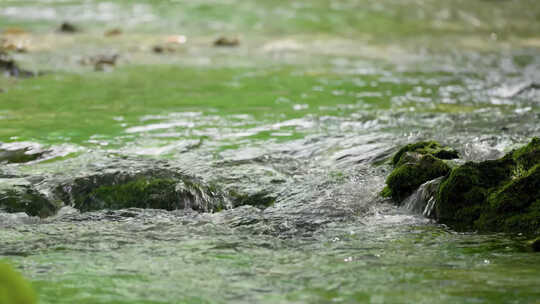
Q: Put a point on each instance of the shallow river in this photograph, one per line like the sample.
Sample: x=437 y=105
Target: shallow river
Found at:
x=307 y=108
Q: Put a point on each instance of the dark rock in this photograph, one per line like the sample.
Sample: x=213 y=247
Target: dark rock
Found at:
x=151 y=188
x=17 y=195
x=227 y=41
x=158 y=49
x=259 y=200
x=412 y=169
x=67 y=27
x=426 y=147
x=535 y=244
x=10 y=68
x=494 y=195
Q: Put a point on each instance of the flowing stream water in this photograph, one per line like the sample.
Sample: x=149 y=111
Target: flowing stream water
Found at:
x=307 y=109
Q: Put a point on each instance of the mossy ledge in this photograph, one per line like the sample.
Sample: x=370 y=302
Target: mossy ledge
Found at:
x=501 y=195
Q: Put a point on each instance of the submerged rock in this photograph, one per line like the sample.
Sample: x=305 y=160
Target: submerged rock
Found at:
x=67 y=27
x=227 y=41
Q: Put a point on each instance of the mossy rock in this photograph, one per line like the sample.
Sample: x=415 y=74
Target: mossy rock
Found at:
x=426 y=148
x=156 y=189
x=527 y=156
x=408 y=176
x=14 y=289
x=494 y=195
x=515 y=206
x=23 y=198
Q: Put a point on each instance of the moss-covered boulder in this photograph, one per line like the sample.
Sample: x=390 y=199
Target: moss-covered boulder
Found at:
x=408 y=176
x=414 y=165
x=494 y=195
x=152 y=188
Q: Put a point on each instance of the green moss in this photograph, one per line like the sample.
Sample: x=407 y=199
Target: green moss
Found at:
x=27 y=200
x=514 y=206
x=529 y=155
x=409 y=176
x=14 y=289
x=490 y=196
x=386 y=192
x=426 y=147
x=158 y=193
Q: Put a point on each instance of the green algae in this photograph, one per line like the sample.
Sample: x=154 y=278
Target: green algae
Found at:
x=14 y=289
x=155 y=193
x=408 y=176
x=23 y=198
x=415 y=164
x=490 y=196
x=426 y=147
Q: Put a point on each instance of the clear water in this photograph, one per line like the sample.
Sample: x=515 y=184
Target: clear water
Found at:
x=316 y=95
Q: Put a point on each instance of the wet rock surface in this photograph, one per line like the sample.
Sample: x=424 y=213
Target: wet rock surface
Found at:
x=414 y=165
x=120 y=183
x=18 y=195
x=494 y=195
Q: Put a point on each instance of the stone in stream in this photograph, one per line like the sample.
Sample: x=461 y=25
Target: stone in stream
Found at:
x=67 y=27
x=144 y=187
x=414 y=165
x=494 y=195
x=18 y=195
x=9 y=67
x=119 y=184
x=227 y=41
x=501 y=195
x=535 y=244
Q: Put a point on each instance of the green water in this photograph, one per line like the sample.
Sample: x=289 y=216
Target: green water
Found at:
x=316 y=95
